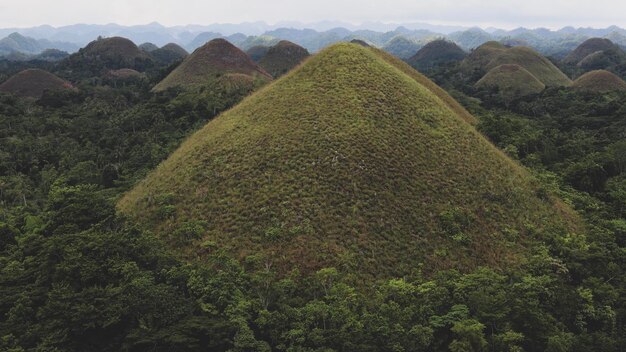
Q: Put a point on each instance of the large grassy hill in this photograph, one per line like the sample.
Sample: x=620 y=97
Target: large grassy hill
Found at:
x=206 y=64
x=493 y=54
x=347 y=161
x=33 y=83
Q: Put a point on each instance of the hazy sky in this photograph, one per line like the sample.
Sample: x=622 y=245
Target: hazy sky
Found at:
x=501 y=13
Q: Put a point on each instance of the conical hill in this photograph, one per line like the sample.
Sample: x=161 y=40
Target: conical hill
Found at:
x=347 y=161
x=209 y=62
x=33 y=83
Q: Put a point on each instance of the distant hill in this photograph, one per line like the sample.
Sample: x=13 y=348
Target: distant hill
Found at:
x=256 y=53
x=18 y=43
x=607 y=59
x=106 y=54
x=51 y=55
x=512 y=81
x=437 y=52
x=148 y=47
x=169 y=54
x=587 y=48
x=359 y=42
x=402 y=47
x=216 y=58
x=471 y=38
x=33 y=83
x=348 y=161
x=599 y=81
x=283 y=57
x=494 y=54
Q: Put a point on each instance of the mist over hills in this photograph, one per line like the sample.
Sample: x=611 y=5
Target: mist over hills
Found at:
x=312 y=36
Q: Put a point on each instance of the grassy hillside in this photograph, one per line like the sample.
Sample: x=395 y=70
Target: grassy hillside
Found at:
x=32 y=83
x=283 y=57
x=346 y=161
x=512 y=81
x=457 y=108
x=493 y=54
x=599 y=81
x=435 y=53
x=209 y=62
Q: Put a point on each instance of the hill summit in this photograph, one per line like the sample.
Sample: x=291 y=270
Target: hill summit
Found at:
x=116 y=49
x=599 y=81
x=283 y=57
x=494 y=54
x=33 y=83
x=346 y=161
x=435 y=53
x=209 y=62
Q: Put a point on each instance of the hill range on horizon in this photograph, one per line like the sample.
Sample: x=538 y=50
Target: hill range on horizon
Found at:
x=312 y=36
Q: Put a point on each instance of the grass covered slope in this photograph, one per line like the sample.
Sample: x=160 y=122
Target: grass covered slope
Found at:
x=435 y=53
x=512 y=81
x=599 y=81
x=494 y=54
x=454 y=105
x=32 y=83
x=283 y=57
x=207 y=63
x=346 y=161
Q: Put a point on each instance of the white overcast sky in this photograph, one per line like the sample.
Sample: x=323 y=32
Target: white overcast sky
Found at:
x=501 y=13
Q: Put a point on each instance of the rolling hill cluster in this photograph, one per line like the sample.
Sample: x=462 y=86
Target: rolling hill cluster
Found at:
x=377 y=194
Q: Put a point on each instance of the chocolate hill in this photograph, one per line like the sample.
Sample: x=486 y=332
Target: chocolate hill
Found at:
x=33 y=83
x=283 y=57
x=207 y=63
x=348 y=159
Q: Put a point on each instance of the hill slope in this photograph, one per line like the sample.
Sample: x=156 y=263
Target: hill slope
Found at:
x=435 y=53
x=513 y=81
x=599 y=81
x=216 y=58
x=345 y=161
x=283 y=57
x=32 y=83
x=493 y=54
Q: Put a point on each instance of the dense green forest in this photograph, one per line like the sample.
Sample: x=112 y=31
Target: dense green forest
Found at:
x=76 y=276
